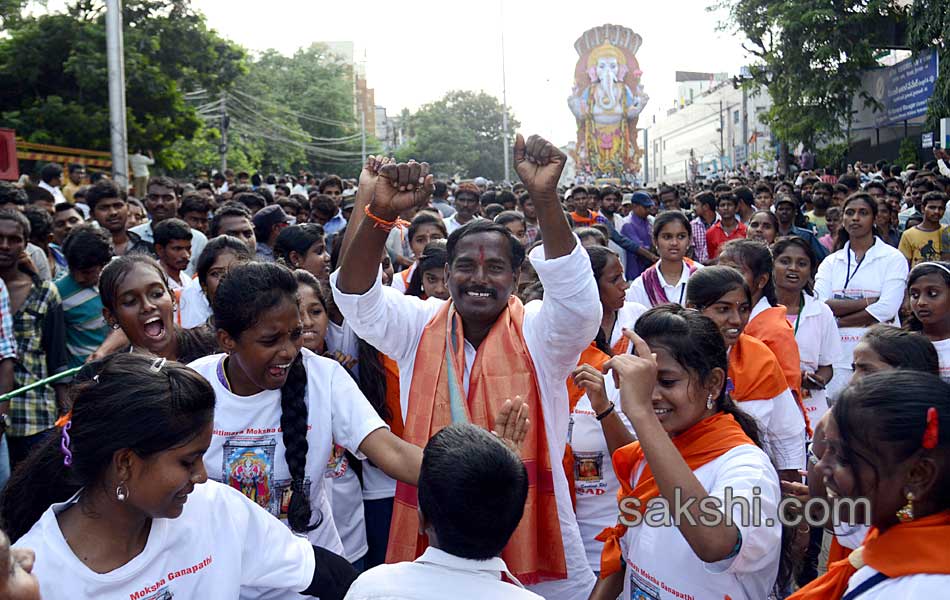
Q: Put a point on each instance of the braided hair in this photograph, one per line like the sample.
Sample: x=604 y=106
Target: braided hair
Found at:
x=270 y=284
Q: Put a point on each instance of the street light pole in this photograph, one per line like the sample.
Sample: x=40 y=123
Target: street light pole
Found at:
x=504 y=101
x=116 y=68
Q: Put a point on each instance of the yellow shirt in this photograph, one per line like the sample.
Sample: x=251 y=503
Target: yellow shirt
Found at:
x=922 y=246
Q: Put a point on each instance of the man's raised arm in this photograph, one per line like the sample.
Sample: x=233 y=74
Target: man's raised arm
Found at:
x=539 y=164
x=398 y=188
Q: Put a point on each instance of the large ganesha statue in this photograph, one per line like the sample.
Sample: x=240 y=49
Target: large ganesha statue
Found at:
x=606 y=101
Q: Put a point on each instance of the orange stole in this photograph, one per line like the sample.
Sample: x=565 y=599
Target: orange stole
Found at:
x=837 y=552
x=702 y=443
x=771 y=327
x=580 y=221
x=393 y=403
x=754 y=371
x=918 y=547
x=502 y=369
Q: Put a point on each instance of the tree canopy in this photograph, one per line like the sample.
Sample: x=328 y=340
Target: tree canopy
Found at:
x=811 y=56
x=929 y=27
x=54 y=79
x=286 y=113
x=460 y=133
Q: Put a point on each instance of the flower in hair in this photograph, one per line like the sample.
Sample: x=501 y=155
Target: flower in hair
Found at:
x=932 y=430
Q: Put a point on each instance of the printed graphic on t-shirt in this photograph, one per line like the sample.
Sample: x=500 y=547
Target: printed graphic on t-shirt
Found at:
x=589 y=473
x=338 y=463
x=162 y=594
x=248 y=466
x=642 y=589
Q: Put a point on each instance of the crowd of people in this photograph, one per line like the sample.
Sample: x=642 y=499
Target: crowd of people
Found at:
x=396 y=386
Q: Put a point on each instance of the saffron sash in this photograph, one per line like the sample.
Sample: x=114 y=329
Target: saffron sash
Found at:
x=502 y=369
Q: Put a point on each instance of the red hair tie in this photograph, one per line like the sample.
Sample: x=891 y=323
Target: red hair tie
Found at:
x=932 y=431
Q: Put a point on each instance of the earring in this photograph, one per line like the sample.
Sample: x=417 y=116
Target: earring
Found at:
x=710 y=403
x=906 y=514
x=115 y=325
x=121 y=492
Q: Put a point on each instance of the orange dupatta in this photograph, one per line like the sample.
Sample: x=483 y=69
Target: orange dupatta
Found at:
x=580 y=221
x=702 y=443
x=502 y=369
x=391 y=373
x=771 y=327
x=754 y=372
x=918 y=547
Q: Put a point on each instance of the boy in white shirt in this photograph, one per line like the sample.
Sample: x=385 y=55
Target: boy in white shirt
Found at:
x=472 y=492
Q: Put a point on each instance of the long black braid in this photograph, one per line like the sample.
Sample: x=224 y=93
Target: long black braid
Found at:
x=293 y=422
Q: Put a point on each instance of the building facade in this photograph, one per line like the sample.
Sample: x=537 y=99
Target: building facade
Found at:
x=712 y=129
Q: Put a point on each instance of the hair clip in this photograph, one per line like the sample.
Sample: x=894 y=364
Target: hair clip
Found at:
x=64 y=445
x=932 y=430
x=157 y=365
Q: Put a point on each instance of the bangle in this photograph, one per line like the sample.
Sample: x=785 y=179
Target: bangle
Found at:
x=606 y=413
x=383 y=224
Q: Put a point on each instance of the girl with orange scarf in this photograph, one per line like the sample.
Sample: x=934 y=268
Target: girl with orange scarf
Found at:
x=758 y=384
x=695 y=448
x=886 y=440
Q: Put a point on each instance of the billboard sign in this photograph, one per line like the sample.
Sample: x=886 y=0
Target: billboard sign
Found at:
x=904 y=89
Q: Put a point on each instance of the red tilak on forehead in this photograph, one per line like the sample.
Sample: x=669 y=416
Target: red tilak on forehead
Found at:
x=481 y=255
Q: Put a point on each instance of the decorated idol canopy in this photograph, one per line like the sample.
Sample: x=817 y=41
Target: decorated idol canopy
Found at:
x=607 y=100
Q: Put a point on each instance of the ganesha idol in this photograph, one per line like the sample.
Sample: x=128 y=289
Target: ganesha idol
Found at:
x=607 y=99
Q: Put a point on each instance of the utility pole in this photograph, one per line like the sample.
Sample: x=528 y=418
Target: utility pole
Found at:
x=745 y=124
x=116 y=67
x=225 y=123
x=504 y=99
x=722 y=139
x=363 y=133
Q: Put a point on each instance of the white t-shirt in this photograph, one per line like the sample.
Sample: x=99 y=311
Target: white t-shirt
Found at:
x=247 y=447
x=556 y=331
x=818 y=344
x=943 y=353
x=908 y=586
x=140 y=164
x=437 y=575
x=194 y=307
x=346 y=499
x=222 y=546
x=662 y=566
x=676 y=292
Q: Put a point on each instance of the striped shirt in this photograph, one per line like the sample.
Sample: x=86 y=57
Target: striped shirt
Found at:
x=86 y=328
x=7 y=341
x=41 y=352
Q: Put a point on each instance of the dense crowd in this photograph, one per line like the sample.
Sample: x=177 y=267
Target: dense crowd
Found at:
x=488 y=390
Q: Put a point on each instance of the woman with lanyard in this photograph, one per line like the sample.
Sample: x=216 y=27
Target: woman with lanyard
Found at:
x=672 y=235
x=597 y=426
x=811 y=319
x=886 y=440
x=862 y=282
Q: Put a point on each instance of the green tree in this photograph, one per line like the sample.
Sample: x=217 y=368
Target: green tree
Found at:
x=302 y=109
x=929 y=27
x=811 y=56
x=461 y=133
x=54 y=79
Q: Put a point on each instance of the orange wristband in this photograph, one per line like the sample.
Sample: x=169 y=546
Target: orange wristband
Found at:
x=384 y=224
